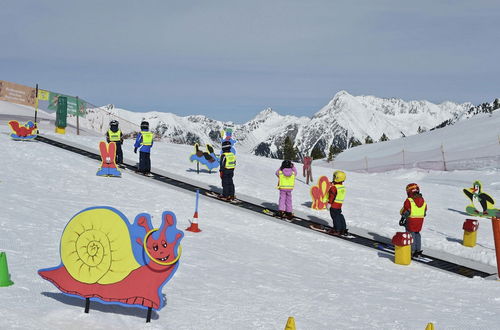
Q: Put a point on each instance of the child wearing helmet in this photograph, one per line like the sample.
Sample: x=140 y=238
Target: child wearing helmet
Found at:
x=336 y=196
x=144 y=143
x=114 y=134
x=286 y=181
x=414 y=210
x=227 y=165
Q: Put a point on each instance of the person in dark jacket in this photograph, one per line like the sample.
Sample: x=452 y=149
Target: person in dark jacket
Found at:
x=226 y=171
x=144 y=143
x=114 y=134
x=413 y=211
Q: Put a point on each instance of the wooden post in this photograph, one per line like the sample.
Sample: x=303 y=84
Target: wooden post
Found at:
x=444 y=160
x=36 y=102
x=495 y=222
x=87 y=305
x=77 y=117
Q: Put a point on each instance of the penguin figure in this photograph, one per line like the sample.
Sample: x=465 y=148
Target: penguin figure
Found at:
x=479 y=199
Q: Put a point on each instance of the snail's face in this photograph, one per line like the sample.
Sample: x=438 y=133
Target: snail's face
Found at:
x=160 y=250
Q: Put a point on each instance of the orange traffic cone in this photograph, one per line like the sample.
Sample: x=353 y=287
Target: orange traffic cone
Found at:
x=194 y=224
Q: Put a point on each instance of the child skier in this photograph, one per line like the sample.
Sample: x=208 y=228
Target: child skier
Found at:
x=413 y=211
x=286 y=181
x=144 y=142
x=114 y=134
x=226 y=171
x=336 y=196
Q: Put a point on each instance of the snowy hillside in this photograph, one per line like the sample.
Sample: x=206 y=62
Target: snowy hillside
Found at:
x=343 y=118
x=244 y=270
x=469 y=144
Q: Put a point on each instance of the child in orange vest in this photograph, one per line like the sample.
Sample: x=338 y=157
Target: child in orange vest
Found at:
x=413 y=211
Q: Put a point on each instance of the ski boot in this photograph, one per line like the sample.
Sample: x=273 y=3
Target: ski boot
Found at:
x=289 y=215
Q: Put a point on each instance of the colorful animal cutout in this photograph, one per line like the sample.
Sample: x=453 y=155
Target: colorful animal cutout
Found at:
x=106 y=259
x=227 y=135
x=108 y=160
x=482 y=204
x=28 y=131
x=319 y=194
x=206 y=158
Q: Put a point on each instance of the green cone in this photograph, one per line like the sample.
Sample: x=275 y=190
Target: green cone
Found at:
x=4 y=271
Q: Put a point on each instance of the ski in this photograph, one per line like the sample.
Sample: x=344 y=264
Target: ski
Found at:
x=390 y=248
x=326 y=230
x=220 y=197
x=275 y=214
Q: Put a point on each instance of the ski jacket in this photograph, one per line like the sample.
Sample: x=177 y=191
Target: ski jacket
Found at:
x=336 y=195
x=286 y=178
x=227 y=162
x=307 y=162
x=417 y=208
x=114 y=136
x=144 y=141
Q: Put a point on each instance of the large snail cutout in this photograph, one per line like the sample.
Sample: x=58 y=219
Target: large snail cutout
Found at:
x=104 y=258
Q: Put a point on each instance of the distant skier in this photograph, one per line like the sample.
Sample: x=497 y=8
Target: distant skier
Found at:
x=144 y=143
x=413 y=212
x=336 y=196
x=306 y=169
x=226 y=171
x=114 y=134
x=286 y=181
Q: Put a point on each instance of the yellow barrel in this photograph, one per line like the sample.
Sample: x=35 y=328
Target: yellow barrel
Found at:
x=470 y=238
x=402 y=255
x=60 y=130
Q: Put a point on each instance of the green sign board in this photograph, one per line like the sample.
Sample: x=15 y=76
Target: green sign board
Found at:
x=61 y=111
x=72 y=103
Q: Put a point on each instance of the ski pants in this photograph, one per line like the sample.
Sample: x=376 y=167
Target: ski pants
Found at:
x=144 y=162
x=285 y=202
x=417 y=241
x=338 y=219
x=307 y=173
x=119 y=153
x=227 y=183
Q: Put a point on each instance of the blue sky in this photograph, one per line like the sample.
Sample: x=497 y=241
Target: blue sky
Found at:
x=231 y=59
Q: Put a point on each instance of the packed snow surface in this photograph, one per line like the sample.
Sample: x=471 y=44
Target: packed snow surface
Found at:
x=244 y=270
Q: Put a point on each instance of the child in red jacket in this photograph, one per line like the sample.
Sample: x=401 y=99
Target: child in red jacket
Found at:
x=413 y=212
x=336 y=196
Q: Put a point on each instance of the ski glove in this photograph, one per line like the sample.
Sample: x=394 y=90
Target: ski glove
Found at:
x=135 y=150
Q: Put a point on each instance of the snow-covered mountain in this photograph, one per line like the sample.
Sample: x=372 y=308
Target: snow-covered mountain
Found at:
x=346 y=119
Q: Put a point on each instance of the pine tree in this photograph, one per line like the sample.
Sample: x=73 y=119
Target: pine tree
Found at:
x=384 y=138
x=332 y=152
x=317 y=153
x=288 y=150
x=496 y=104
x=368 y=140
x=354 y=142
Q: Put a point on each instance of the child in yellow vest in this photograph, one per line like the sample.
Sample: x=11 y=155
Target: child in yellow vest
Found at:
x=286 y=181
x=336 y=196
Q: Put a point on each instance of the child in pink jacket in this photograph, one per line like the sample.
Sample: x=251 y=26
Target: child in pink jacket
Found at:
x=286 y=181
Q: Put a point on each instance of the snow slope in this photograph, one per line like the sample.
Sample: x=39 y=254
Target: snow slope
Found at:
x=244 y=271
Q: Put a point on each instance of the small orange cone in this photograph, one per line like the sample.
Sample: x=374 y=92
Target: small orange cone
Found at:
x=194 y=224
